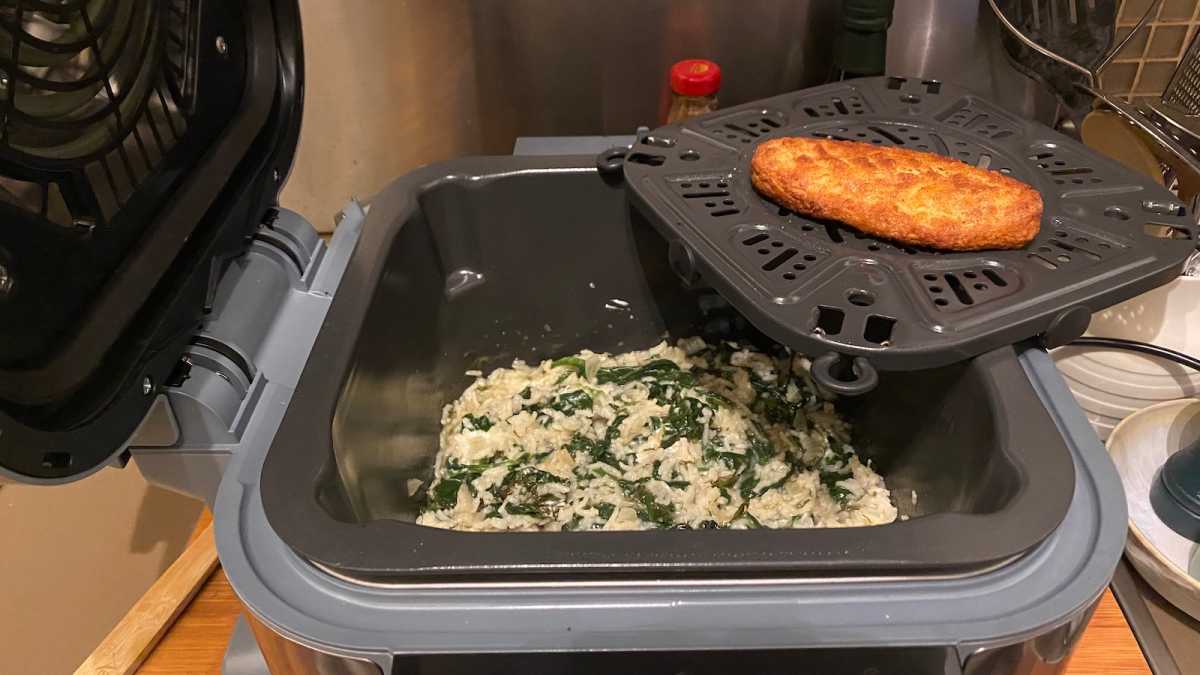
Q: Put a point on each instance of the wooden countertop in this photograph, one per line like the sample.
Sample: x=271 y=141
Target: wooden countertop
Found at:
x=195 y=643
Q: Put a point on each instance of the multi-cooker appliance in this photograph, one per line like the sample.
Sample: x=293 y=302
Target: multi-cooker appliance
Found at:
x=159 y=306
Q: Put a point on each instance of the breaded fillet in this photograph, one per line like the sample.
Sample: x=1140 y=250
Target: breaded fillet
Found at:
x=912 y=197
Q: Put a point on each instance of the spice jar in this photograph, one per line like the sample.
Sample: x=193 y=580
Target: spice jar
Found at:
x=694 y=85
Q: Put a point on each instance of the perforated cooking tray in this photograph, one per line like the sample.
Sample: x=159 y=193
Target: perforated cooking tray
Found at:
x=1107 y=233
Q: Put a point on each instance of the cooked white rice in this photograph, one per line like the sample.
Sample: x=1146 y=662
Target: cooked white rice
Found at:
x=687 y=436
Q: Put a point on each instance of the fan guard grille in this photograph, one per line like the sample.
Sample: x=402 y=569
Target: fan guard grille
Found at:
x=99 y=87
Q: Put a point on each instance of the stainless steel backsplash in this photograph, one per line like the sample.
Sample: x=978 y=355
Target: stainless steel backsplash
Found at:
x=554 y=67
x=575 y=67
x=959 y=41
x=391 y=85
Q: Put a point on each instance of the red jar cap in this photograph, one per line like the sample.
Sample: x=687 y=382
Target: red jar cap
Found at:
x=695 y=77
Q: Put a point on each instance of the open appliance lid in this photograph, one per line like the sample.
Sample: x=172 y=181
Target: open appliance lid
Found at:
x=141 y=143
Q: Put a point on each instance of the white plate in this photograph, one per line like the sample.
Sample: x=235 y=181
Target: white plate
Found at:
x=1111 y=384
x=1139 y=445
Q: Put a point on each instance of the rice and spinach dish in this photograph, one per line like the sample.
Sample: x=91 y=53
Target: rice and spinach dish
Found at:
x=689 y=436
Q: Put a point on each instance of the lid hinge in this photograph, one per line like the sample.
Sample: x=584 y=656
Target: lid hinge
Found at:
x=266 y=309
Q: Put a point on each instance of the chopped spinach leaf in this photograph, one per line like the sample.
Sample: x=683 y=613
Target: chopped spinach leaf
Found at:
x=830 y=477
x=738 y=463
x=444 y=495
x=571 y=401
x=529 y=477
x=614 y=428
x=529 y=458
x=526 y=393
x=771 y=400
x=467 y=473
x=779 y=483
x=831 y=480
x=657 y=369
x=683 y=421
x=526 y=479
x=747 y=484
x=605 y=510
x=744 y=512
x=732 y=460
x=838 y=449
x=542 y=506
x=715 y=400
x=761 y=449
x=597 y=451
x=677 y=484
x=737 y=515
x=841 y=494
x=573 y=362
x=477 y=422
x=524 y=510
x=648 y=509
x=600 y=473
x=566 y=403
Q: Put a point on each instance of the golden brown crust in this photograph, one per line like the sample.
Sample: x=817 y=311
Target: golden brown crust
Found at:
x=912 y=197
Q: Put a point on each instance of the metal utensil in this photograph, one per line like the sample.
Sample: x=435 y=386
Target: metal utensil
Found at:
x=1178 y=111
x=1064 y=44
x=1183 y=91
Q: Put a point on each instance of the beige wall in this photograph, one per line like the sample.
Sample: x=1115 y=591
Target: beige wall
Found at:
x=389 y=85
x=74 y=558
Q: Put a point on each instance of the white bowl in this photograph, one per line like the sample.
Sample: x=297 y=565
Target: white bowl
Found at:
x=1168 y=316
x=1139 y=445
x=1111 y=384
